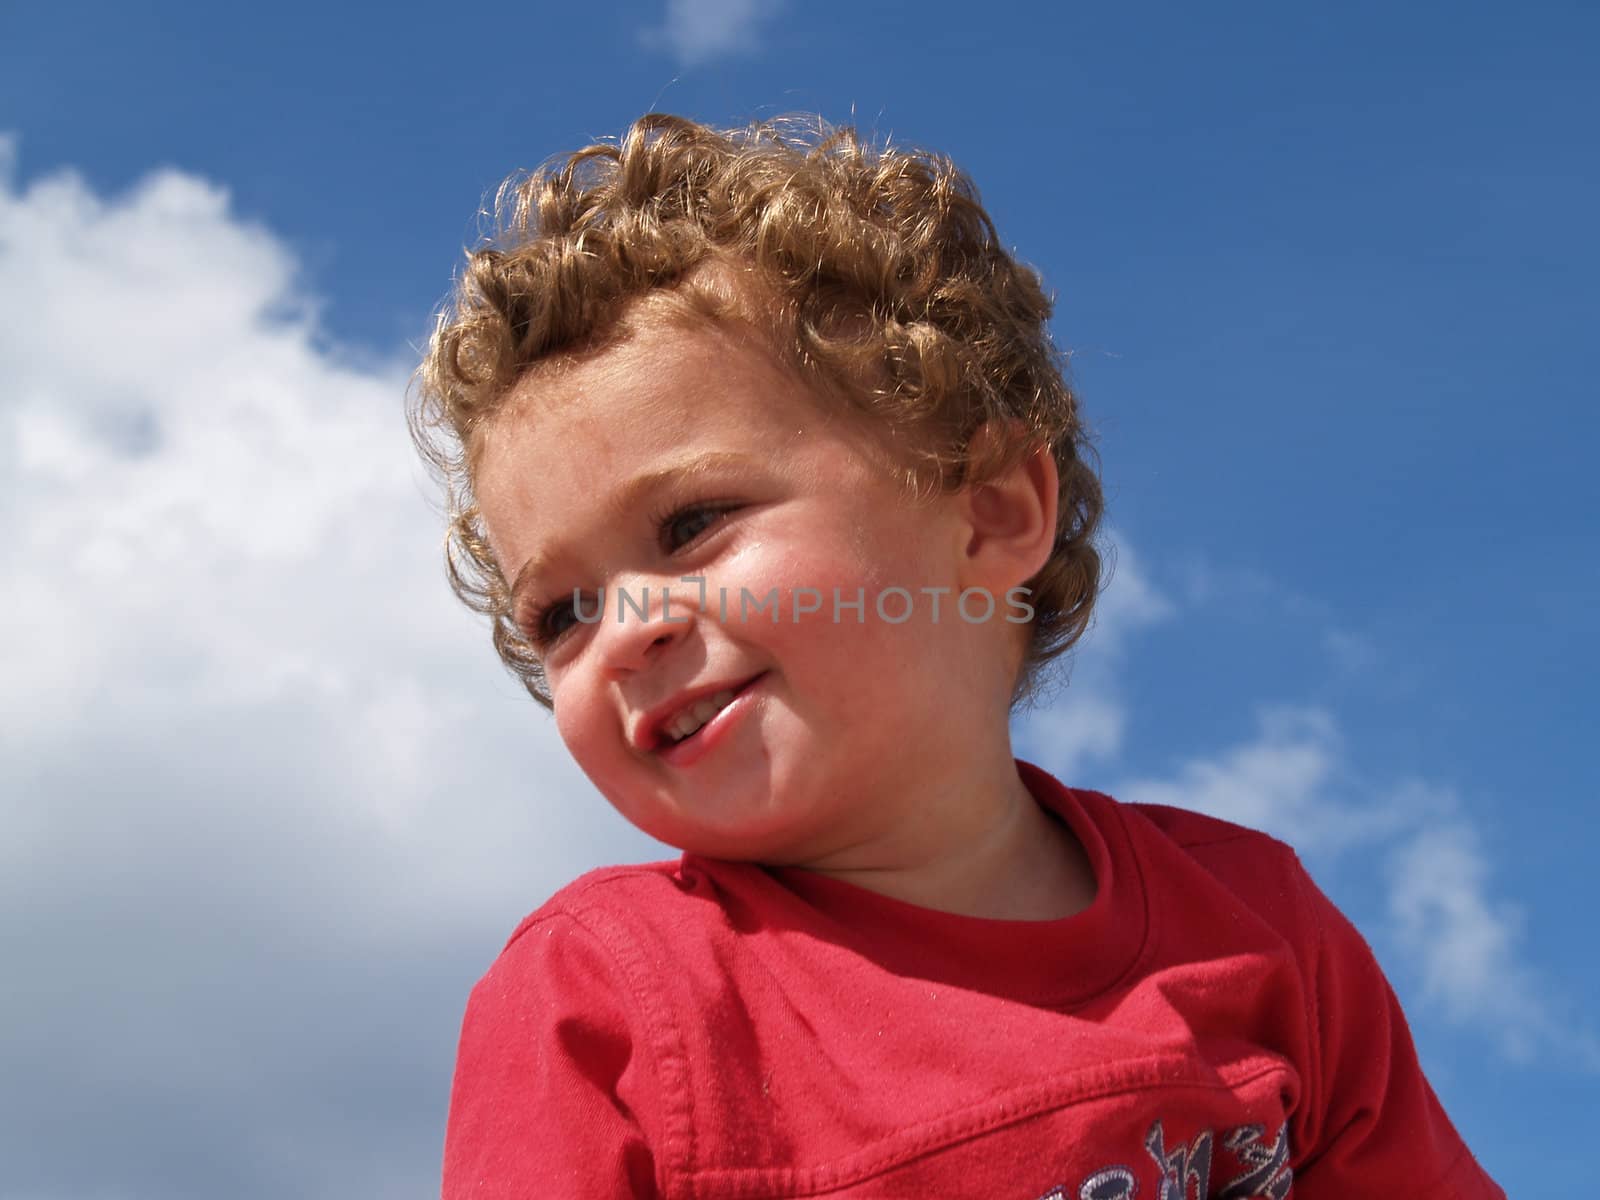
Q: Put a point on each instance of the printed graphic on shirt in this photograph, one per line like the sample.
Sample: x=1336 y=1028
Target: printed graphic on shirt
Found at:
x=1261 y=1170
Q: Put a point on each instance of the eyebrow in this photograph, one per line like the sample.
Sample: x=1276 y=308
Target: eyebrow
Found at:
x=627 y=497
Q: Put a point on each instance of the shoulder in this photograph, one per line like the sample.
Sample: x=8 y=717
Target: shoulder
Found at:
x=603 y=899
x=1215 y=844
x=1216 y=864
x=590 y=961
x=636 y=924
x=1194 y=830
x=606 y=929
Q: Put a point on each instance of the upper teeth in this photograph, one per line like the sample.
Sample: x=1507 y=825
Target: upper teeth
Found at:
x=697 y=714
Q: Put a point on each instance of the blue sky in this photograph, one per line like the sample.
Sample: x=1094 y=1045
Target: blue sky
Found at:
x=270 y=807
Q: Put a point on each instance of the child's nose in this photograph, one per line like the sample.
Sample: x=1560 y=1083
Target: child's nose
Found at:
x=644 y=617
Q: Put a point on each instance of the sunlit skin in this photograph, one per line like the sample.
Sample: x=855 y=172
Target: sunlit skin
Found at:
x=877 y=753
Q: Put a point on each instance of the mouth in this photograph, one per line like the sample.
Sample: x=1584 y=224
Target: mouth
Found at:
x=682 y=723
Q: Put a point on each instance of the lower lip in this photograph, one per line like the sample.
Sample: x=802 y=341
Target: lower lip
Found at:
x=705 y=739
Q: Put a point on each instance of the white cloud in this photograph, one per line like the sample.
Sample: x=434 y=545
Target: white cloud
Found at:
x=1129 y=602
x=1352 y=653
x=1441 y=910
x=267 y=803
x=697 y=31
x=1282 y=782
x=1465 y=947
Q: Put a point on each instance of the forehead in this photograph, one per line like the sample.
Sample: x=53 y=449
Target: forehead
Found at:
x=665 y=382
x=578 y=444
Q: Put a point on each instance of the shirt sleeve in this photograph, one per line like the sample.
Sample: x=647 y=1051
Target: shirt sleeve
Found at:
x=1375 y=1126
x=552 y=1086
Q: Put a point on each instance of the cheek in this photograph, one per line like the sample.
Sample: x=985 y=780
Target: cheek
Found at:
x=829 y=554
x=579 y=722
x=887 y=569
x=787 y=570
x=827 y=644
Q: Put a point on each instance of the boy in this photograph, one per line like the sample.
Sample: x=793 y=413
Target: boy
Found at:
x=762 y=461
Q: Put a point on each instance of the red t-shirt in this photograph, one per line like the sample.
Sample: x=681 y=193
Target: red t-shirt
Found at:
x=1211 y=1026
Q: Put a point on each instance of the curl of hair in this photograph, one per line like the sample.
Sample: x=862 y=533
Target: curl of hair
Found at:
x=879 y=268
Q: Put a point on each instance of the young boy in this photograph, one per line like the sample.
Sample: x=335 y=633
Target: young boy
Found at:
x=761 y=459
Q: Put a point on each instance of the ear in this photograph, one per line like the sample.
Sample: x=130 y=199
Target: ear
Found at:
x=1008 y=523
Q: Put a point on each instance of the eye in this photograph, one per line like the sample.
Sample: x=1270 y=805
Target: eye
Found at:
x=553 y=621
x=546 y=624
x=682 y=526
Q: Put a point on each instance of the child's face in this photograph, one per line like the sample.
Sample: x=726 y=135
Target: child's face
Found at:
x=834 y=724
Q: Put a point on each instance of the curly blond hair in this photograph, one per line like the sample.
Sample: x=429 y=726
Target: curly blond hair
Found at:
x=878 y=268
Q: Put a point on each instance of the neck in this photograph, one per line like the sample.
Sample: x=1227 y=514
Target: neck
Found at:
x=979 y=847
